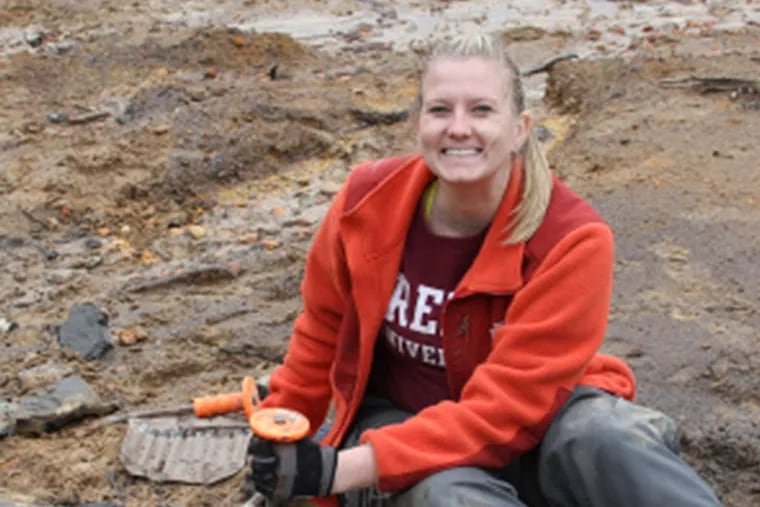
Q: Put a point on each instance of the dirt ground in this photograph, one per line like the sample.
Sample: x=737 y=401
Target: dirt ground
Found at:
x=169 y=162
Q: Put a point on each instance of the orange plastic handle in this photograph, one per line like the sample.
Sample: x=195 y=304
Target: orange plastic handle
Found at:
x=250 y=396
x=208 y=406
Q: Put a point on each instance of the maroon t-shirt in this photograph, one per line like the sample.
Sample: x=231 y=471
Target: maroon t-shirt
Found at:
x=409 y=367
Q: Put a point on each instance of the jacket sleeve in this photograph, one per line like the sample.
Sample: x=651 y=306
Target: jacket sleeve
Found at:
x=302 y=382
x=553 y=328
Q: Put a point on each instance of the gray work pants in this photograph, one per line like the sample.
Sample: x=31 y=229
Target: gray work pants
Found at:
x=599 y=451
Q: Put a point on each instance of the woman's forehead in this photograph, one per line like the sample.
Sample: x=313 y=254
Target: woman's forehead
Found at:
x=478 y=75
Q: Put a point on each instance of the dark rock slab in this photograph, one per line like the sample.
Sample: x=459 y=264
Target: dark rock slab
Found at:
x=85 y=331
x=69 y=400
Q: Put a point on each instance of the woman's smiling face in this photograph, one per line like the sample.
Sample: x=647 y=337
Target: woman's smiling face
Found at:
x=467 y=129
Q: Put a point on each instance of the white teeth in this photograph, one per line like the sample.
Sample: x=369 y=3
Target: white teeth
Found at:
x=461 y=152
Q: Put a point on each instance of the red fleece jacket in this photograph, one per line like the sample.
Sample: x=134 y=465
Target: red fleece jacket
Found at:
x=522 y=330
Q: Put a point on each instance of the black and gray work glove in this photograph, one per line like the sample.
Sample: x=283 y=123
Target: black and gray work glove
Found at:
x=281 y=472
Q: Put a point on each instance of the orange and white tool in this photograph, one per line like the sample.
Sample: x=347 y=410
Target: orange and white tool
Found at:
x=276 y=424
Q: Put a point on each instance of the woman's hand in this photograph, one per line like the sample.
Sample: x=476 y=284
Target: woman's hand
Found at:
x=301 y=469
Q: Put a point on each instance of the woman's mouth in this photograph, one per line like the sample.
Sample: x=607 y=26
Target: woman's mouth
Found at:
x=461 y=152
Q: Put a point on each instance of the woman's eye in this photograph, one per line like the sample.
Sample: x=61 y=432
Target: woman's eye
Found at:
x=483 y=108
x=437 y=109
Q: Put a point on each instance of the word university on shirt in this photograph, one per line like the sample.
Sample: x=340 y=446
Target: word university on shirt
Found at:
x=411 y=322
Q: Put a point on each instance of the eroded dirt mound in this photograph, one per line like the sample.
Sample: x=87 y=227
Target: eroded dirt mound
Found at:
x=672 y=169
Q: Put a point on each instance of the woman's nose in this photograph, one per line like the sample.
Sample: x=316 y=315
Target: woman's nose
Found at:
x=460 y=125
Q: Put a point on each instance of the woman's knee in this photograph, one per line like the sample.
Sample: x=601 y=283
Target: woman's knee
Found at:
x=602 y=424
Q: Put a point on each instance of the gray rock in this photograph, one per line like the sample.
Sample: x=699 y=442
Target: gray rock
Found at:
x=69 y=400
x=8 y=414
x=86 y=331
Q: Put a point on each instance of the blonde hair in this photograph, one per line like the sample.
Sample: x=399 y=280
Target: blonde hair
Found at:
x=537 y=179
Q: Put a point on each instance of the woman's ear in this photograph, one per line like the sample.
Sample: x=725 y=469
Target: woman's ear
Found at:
x=522 y=127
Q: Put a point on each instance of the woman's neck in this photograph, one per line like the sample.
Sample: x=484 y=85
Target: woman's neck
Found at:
x=465 y=210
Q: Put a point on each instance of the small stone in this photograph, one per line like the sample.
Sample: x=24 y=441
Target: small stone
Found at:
x=127 y=337
x=63 y=47
x=34 y=39
x=160 y=130
x=195 y=231
x=6 y=326
x=91 y=263
x=57 y=118
x=93 y=243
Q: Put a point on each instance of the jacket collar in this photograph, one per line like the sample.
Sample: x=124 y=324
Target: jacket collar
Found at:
x=387 y=211
x=498 y=266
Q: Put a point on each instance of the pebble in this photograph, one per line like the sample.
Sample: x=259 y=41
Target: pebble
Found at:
x=57 y=118
x=127 y=337
x=195 y=231
x=34 y=39
x=160 y=130
x=63 y=47
x=93 y=244
x=6 y=326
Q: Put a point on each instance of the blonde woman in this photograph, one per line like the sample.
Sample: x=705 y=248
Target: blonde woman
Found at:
x=454 y=306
